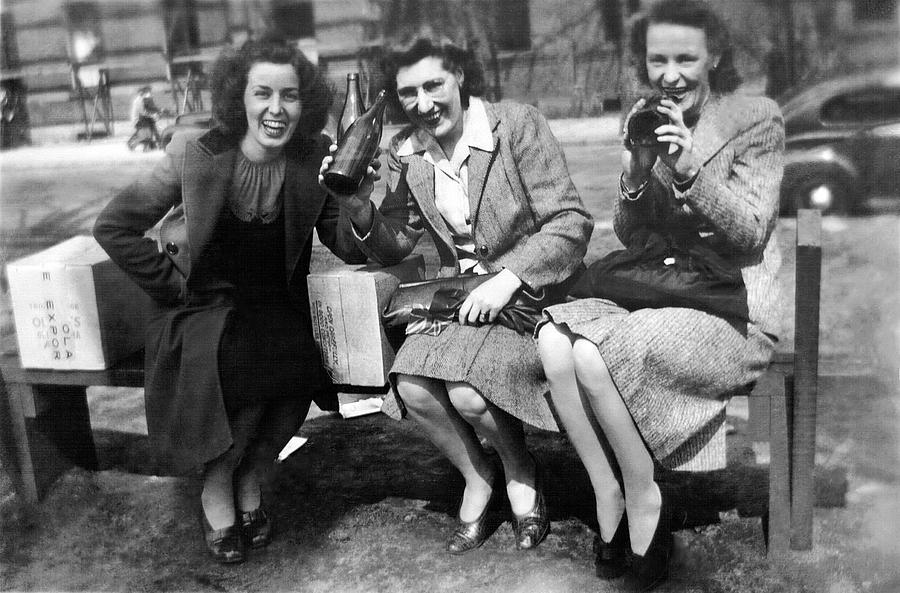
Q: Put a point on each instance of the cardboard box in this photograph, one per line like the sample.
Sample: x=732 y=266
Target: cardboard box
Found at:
x=74 y=309
x=346 y=303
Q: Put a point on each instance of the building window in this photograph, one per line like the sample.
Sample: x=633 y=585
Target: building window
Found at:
x=293 y=20
x=871 y=10
x=512 y=25
x=85 y=36
x=182 y=32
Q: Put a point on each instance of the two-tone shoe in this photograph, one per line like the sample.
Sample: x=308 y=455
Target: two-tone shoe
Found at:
x=256 y=528
x=531 y=528
x=225 y=545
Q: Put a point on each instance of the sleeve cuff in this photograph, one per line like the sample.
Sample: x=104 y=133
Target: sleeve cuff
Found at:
x=628 y=195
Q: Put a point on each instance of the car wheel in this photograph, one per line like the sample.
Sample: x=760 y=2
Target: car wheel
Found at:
x=829 y=194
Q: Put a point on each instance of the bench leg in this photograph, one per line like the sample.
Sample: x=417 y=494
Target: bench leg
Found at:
x=52 y=431
x=779 y=515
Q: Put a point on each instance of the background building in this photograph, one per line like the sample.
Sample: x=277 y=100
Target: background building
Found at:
x=70 y=61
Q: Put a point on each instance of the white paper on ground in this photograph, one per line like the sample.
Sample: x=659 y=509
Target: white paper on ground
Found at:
x=293 y=444
x=361 y=407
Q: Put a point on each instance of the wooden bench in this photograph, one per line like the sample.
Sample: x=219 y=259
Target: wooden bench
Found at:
x=46 y=415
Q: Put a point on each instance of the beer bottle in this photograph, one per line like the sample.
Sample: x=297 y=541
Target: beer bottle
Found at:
x=356 y=150
x=353 y=105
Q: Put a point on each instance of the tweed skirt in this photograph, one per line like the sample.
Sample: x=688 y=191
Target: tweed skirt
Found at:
x=674 y=367
x=500 y=363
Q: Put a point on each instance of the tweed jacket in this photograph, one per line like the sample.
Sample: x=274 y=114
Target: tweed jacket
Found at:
x=734 y=200
x=186 y=415
x=526 y=214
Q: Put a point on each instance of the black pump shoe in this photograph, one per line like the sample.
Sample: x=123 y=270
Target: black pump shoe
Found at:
x=531 y=529
x=225 y=545
x=652 y=568
x=611 y=559
x=256 y=527
x=469 y=535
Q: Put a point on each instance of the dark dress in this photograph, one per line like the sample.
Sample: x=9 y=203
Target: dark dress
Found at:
x=230 y=356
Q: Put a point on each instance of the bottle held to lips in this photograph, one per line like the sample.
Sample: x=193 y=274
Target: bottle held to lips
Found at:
x=356 y=150
x=353 y=106
x=643 y=122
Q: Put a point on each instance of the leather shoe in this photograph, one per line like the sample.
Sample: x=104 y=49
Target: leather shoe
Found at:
x=652 y=568
x=226 y=545
x=469 y=535
x=531 y=528
x=611 y=559
x=256 y=527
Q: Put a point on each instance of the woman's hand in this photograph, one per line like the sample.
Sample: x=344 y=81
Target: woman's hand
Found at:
x=679 y=155
x=359 y=204
x=637 y=161
x=485 y=302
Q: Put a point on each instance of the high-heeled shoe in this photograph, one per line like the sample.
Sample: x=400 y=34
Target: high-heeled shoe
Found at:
x=652 y=568
x=226 y=544
x=611 y=559
x=256 y=528
x=531 y=528
x=469 y=535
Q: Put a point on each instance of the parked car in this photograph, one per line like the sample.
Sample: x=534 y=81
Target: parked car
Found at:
x=186 y=121
x=842 y=143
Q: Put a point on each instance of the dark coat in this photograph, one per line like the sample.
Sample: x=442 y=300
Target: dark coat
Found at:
x=186 y=414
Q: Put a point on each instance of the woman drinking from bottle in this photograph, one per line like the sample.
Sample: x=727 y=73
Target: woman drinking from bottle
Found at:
x=489 y=183
x=643 y=386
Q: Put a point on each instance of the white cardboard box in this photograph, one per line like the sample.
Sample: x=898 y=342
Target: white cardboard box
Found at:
x=346 y=303
x=74 y=309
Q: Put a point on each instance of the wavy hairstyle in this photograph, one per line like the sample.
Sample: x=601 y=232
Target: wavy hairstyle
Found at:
x=453 y=57
x=228 y=82
x=724 y=78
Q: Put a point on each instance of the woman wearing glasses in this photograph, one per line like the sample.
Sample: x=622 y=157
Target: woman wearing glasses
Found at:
x=489 y=183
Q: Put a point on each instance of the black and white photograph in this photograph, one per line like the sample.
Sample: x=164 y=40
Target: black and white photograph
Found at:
x=429 y=296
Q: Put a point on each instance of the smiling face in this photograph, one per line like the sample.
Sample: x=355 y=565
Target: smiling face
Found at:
x=430 y=97
x=272 y=104
x=678 y=64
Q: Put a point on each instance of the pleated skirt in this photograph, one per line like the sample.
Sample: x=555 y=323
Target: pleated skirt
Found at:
x=500 y=363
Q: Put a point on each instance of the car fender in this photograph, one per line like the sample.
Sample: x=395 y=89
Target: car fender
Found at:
x=800 y=163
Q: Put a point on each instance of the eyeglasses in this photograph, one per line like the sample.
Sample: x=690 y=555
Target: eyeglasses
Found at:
x=432 y=88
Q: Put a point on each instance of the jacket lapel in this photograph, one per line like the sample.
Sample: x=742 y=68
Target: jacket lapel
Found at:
x=480 y=162
x=712 y=131
x=420 y=179
x=205 y=191
x=303 y=202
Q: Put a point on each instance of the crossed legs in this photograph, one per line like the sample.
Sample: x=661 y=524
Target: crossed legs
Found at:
x=593 y=413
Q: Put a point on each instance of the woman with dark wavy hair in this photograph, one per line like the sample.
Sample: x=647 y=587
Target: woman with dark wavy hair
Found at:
x=489 y=183
x=231 y=365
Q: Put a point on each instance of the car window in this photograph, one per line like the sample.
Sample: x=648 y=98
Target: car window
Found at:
x=869 y=105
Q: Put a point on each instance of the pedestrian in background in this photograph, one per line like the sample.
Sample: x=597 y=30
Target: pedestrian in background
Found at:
x=489 y=183
x=231 y=365
x=640 y=387
x=144 y=115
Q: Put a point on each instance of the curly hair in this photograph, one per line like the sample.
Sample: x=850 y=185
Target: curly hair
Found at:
x=228 y=82
x=697 y=14
x=452 y=56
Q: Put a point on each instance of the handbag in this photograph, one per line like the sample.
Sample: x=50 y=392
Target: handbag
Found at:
x=429 y=306
x=660 y=271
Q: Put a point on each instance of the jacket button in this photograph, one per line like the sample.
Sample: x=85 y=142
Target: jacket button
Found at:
x=483 y=250
x=171 y=248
